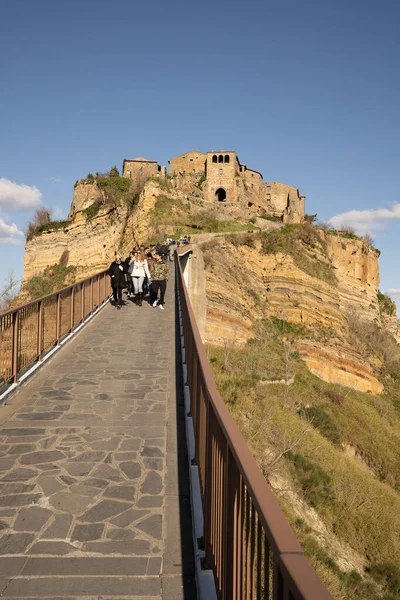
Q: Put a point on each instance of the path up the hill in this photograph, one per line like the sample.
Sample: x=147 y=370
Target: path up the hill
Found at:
x=94 y=489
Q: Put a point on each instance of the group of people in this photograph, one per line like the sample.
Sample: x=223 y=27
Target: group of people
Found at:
x=141 y=272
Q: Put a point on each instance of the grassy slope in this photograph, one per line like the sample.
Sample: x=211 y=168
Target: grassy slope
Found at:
x=341 y=452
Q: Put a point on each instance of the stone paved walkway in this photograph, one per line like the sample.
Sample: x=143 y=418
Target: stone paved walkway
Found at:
x=94 y=498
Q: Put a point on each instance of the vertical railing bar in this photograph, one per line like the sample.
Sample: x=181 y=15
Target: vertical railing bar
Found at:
x=252 y=548
x=72 y=308
x=259 y=559
x=82 y=302
x=39 y=330
x=266 y=568
x=58 y=320
x=14 y=351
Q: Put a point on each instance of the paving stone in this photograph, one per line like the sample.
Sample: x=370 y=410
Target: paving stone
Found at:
x=132 y=470
x=41 y=456
x=135 y=547
x=104 y=510
x=79 y=469
x=157 y=464
x=19 y=475
x=151 y=451
x=152 y=484
x=17 y=488
x=107 y=472
x=88 y=457
x=154 y=566
x=99 y=587
x=84 y=490
x=67 y=480
x=59 y=528
x=11 y=566
x=37 y=416
x=70 y=503
x=87 y=532
x=178 y=588
x=128 y=517
x=19 y=499
x=3 y=525
x=37 y=566
x=24 y=431
x=49 y=484
x=122 y=492
x=98 y=483
x=21 y=448
x=32 y=518
x=132 y=444
x=150 y=502
x=152 y=526
x=120 y=534
x=7 y=463
x=15 y=543
x=52 y=548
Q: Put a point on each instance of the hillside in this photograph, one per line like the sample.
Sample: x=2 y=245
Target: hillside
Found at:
x=302 y=347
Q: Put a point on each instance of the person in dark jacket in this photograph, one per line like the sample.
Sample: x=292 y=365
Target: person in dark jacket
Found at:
x=117 y=275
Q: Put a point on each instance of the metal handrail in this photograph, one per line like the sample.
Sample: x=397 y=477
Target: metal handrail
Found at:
x=31 y=330
x=248 y=542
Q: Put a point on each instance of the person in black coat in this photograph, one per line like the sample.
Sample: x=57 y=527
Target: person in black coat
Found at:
x=117 y=275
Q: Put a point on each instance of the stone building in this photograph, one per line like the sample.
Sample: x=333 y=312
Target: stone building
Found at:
x=140 y=168
x=227 y=180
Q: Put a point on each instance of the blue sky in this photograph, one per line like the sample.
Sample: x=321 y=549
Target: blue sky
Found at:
x=306 y=92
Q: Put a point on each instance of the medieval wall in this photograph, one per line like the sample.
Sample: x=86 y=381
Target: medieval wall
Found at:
x=222 y=171
x=191 y=162
x=140 y=169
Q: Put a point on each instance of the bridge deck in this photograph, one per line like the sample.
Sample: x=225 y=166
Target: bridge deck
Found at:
x=93 y=468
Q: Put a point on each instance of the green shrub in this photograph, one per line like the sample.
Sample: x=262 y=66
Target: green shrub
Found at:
x=315 y=482
x=52 y=279
x=388 y=576
x=386 y=304
x=323 y=422
x=118 y=185
x=92 y=210
x=51 y=226
x=285 y=327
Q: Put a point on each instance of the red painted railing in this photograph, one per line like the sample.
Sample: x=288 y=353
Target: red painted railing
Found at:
x=248 y=543
x=29 y=331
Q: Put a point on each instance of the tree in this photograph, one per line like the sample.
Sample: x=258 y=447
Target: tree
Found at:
x=114 y=171
x=8 y=292
x=42 y=216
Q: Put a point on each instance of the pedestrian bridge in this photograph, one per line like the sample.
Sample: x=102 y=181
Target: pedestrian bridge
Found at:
x=122 y=474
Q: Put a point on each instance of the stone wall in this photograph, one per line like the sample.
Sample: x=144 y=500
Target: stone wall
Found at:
x=191 y=162
x=222 y=175
x=85 y=194
x=139 y=169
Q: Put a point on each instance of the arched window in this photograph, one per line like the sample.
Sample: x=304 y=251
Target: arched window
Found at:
x=215 y=158
x=221 y=195
x=226 y=157
x=220 y=158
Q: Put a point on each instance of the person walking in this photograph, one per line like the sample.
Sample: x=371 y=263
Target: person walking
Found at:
x=159 y=276
x=140 y=270
x=116 y=272
x=128 y=264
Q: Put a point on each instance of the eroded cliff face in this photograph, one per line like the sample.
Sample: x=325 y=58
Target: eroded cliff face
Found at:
x=245 y=285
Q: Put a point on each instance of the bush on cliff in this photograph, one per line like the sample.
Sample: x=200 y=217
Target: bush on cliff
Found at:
x=42 y=222
x=53 y=278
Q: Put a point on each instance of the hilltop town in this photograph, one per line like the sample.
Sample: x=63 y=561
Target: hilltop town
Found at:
x=225 y=179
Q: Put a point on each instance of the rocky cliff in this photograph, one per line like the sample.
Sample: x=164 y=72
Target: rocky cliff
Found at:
x=325 y=287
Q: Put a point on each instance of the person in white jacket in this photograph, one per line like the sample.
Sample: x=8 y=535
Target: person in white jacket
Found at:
x=139 y=271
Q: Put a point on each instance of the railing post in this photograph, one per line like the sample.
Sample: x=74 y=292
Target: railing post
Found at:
x=82 y=302
x=40 y=330
x=15 y=338
x=91 y=295
x=72 y=308
x=231 y=488
x=58 y=320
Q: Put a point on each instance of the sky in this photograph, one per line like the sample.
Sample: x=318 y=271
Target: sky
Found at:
x=306 y=92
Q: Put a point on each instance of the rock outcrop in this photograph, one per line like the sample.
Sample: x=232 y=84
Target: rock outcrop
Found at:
x=245 y=285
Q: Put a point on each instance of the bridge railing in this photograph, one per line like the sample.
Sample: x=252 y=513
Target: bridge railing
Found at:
x=29 y=331
x=248 y=543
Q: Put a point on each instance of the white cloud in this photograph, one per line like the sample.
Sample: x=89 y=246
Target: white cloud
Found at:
x=54 y=179
x=57 y=213
x=18 y=197
x=393 y=292
x=363 y=221
x=10 y=234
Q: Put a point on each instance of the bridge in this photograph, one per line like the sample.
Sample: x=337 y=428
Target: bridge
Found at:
x=122 y=474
